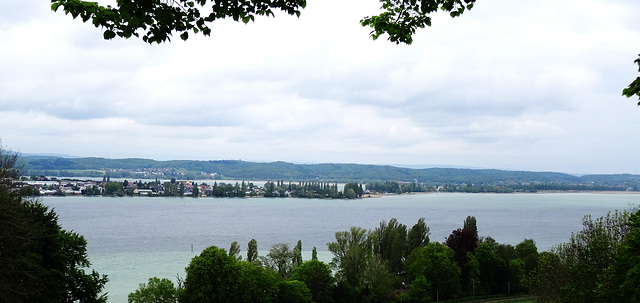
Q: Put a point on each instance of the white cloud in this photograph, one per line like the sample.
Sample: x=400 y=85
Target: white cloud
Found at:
x=518 y=85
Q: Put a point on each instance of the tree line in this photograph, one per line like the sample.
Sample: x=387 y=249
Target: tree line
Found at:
x=395 y=262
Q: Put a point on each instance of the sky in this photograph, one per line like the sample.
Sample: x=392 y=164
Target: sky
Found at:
x=519 y=85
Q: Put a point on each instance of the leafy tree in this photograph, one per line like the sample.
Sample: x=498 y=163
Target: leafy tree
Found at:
x=470 y=224
x=392 y=244
x=317 y=277
x=212 y=276
x=623 y=276
x=279 y=259
x=314 y=254
x=418 y=236
x=436 y=264
x=158 y=20
x=351 y=252
x=40 y=261
x=580 y=267
x=297 y=254
x=293 y=292
x=234 y=250
x=463 y=240
x=252 y=251
x=258 y=283
x=155 y=291
x=634 y=87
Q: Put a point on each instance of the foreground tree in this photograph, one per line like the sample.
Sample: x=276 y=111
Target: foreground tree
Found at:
x=155 y=21
x=634 y=87
x=40 y=261
x=155 y=291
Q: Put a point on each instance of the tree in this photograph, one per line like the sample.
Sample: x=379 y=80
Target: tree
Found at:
x=418 y=236
x=634 y=87
x=392 y=244
x=297 y=254
x=279 y=259
x=155 y=291
x=40 y=261
x=234 y=250
x=212 y=276
x=436 y=264
x=351 y=252
x=158 y=20
x=470 y=224
x=252 y=251
x=292 y=291
x=624 y=274
x=317 y=277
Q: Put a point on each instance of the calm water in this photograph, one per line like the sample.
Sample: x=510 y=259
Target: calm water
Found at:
x=133 y=239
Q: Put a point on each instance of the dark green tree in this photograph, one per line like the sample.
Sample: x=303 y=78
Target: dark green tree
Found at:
x=438 y=268
x=156 y=21
x=317 y=277
x=155 y=291
x=252 y=251
x=234 y=250
x=634 y=87
x=40 y=261
x=279 y=259
x=292 y=291
x=418 y=236
x=212 y=276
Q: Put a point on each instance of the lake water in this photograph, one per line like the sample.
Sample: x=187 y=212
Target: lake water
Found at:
x=131 y=239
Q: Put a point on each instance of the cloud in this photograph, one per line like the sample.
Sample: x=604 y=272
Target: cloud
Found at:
x=532 y=85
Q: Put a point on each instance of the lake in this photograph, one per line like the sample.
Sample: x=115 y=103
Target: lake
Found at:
x=131 y=239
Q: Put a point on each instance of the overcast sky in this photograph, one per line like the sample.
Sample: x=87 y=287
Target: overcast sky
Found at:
x=525 y=85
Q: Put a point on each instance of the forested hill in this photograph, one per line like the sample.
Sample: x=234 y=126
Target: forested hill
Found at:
x=231 y=169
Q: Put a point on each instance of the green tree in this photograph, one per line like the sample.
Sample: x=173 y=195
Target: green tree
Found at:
x=155 y=21
x=392 y=244
x=279 y=259
x=258 y=283
x=623 y=276
x=435 y=262
x=634 y=87
x=470 y=224
x=292 y=292
x=40 y=261
x=351 y=252
x=317 y=277
x=297 y=254
x=252 y=251
x=418 y=236
x=212 y=276
x=234 y=250
x=155 y=291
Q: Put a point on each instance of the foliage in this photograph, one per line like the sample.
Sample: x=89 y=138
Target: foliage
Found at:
x=317 y=277
x=280 y=259
x=580 y=268
x=440 y=273
x=392 y=244
x=400 y=19
x=470 y=224
x=40 y=261
x=234 y=250
x=213 y=276
x=418 y=236
x=351 y=251
x=155 y=291
x=624 y=274
x=464 y=240
x=634 y=87
x=158 y=20
x=252 y=251
x=292 y=291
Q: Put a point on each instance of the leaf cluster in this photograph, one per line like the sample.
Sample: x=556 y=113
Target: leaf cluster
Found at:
x=634 y=87
x=158 y=20
x=401 y=18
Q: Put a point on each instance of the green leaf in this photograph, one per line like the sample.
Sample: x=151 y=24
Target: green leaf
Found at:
x=184 y=36
x=54 y=7
x=109 y=34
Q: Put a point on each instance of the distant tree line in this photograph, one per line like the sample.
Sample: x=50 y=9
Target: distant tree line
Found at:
x=414 y=187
